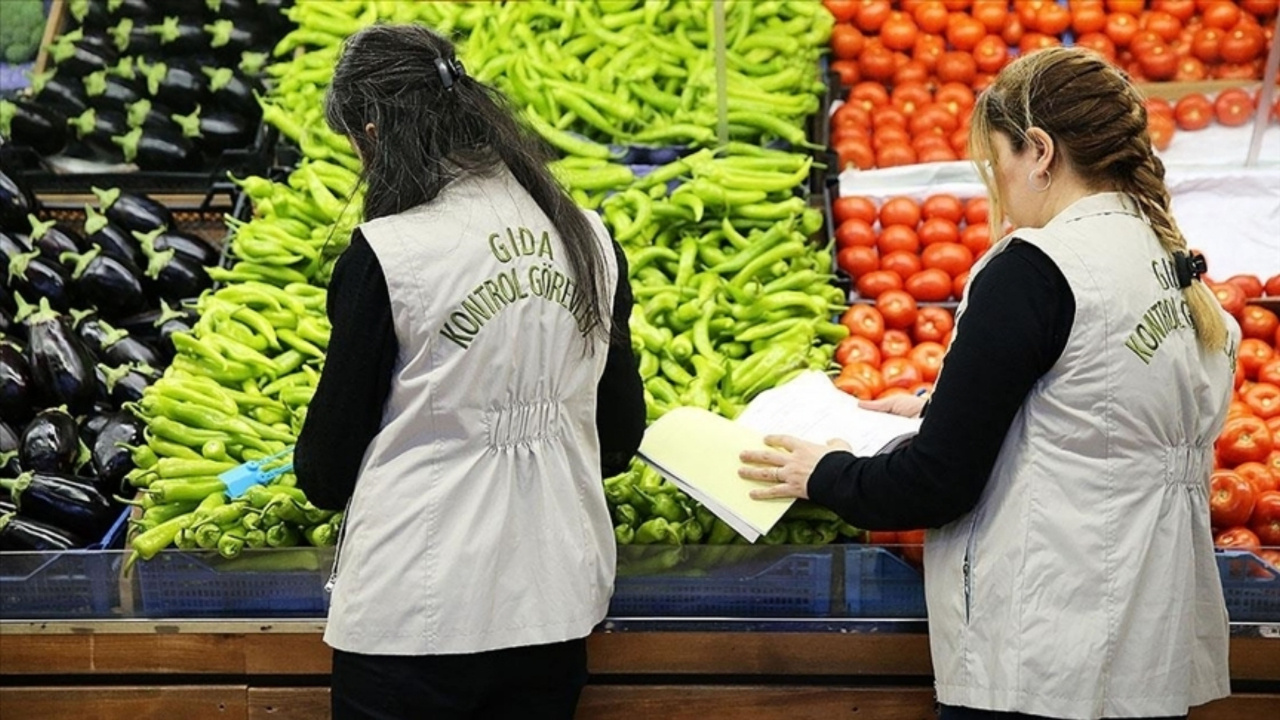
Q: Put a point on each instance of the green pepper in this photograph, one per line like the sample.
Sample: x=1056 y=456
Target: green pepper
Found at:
x=282 y=535
x=624 y=534
x=657 y=531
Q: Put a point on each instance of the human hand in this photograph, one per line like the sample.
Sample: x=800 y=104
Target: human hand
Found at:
x=904 y=405
x=788 y=468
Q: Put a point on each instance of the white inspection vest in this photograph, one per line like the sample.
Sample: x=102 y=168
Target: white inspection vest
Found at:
x=479 y=520
x=1083 y=584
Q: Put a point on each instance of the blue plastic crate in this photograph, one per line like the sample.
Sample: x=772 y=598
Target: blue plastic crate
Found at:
x=260 y=584
x=755 y=582
x=877 y=584
x=1251 y=587
x=72 y=584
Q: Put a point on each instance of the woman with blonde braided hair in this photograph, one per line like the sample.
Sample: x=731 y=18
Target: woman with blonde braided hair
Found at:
x=1063 y=464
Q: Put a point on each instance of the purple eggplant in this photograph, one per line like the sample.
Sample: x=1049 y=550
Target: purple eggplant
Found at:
x=11 y=246
x=61 y=91
x=92 y=330
x=234 y=92
x=134 y=38
x=80 y=53
x=109 y=92
x=150 y=116
x=91 y=425
x=113 y=346
x=40 y=128
x=185 y=244
x=17 y=203
x=91 y=14
x=61 y=364
x=9 y=326
x=112 y=285
x=16 y=393
x=175 y=277
x=50 y=442
x=135 y=9
x=173 y=85
x=35 y=277
x=215 y=131
x=232 y=8
x=229 y=38
x=158 y=326
x=95 y=128
x=10 y=446
x=135 y=213
x=110 y=453
x=53 y=239
x=114 y=240
x=158 y=149
x=65 y=501
x=180 y=36
x=22 y=534
x=125 y=384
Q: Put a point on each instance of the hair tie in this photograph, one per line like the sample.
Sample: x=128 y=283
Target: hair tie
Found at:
x=1189 y=268
x=450 y=71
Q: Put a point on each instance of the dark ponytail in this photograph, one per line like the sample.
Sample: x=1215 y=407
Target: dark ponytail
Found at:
x=434 y=124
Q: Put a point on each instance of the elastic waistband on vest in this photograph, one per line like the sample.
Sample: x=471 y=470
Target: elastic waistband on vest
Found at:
x=1187 y=464
x=524 y=423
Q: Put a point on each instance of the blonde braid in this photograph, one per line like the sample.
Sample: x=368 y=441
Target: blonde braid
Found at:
x=1146 y=187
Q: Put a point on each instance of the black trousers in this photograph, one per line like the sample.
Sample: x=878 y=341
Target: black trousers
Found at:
x=539 y=682
x=949 y=712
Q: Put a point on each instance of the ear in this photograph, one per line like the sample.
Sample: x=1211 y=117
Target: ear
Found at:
x=1042 y=145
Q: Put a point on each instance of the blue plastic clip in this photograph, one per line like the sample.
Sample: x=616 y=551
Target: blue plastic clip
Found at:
x=244 y=476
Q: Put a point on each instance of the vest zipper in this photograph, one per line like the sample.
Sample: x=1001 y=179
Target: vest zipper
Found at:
x=967 y=569
x=337 y=549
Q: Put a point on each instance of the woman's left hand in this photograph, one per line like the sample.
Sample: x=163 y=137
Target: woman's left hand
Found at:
x=789 y=466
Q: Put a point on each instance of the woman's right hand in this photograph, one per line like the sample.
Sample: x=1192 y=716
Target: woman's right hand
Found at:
x=904 y=405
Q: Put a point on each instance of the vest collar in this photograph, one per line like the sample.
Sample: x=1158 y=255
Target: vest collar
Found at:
x=1104 y=203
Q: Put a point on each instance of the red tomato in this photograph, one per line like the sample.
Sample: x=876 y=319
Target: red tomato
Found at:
x=938 y=230
x=1258 y=322
x=855 y=231
x=852 y=114
x=898 y=237
x=847 y=42
x=1053 y=19
x=848 y=72
x=872 y=14
x=956 y=66
x=958 y=284
x=1088 y=19
x=1205 y=43
x=1252 y=355
x=991 y=54
x=1242 y=44
x=900 y=210
x=934 y=119
x=1260 y=8
x=1266 y=518
x=872 y=284
x=975 y=211
x=1244 y=439
x=896 y=154
x=854 y=206
x=947 y=207
x=927 y=357
x=887 y=117
x=870 y=95
x=956 y=97
x=992 y=15
x=863 y=319
x=1269 y=371
x=1158 y=62
x=870 y=376
x=927 y=50
x=876 y=62
x=1161 y=23
x=858 y=260
x=882 y=537
x=1099 y=43
x=857 y=348
x=1238 y=538
x=1189 y=68
x=1161 y=130
x=1233 y=107
x=1159 y=106
x=842 y=10
x=897 y=308
x=933 y=324
x=902 y=262
x=964 y=32
x=898 y=31
x=899 y=372
x=910 y=97
x=1231 y=499
x=1259 y=476
x=855 y=153
x=1250 y=284
x=929 y=285
x=1263 y=399
x=1221 y=15
x=853 y=386
x=1180 y=9
x=1193 y=112
x=912 y=71
x=1121 y=28
x=1230 y=297
x=1272 y=286
x=977 y=238
x=950 y=257
x=931 y=17
x=896 y=344
x=1013 y=30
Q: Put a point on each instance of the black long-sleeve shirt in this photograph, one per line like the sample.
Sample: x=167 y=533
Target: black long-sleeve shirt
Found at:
x=346 y=411
x=1020 y=313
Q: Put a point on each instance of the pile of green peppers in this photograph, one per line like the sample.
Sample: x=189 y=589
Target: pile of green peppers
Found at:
x=617 y=71
x=237 y=390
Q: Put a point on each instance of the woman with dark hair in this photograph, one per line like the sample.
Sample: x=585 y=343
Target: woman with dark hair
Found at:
x=479 y=384
x=1063 y=464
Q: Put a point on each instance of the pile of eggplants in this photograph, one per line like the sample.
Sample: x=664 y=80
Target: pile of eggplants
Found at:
x=167 y=85
x=86 y=320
